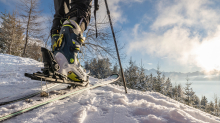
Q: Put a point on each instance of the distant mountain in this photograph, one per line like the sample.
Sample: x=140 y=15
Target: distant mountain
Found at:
x=193 y=76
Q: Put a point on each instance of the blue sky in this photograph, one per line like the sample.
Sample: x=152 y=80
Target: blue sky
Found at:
x=180 y=35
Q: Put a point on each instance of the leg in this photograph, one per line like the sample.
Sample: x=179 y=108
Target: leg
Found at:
x=58 y=16
x=80 y=9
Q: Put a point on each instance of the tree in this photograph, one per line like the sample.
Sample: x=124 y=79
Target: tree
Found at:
x=99 y=69
x=169 y=90
x=210 y=108
x=163 y=85
x=104 y=67
x=115 y=69
x=175 y=93
x=216 y=107
x=34 y=50
x=141 y=78
x=131 y=75
x=196 y=101
x=180 y=92
x=189 y=93
x=11 y=35
x=150 y=83
x=93 y=67
x=204 y=102
x=30 y=15
x=158 y=83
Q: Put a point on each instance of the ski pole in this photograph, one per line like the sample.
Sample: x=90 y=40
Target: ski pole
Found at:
x=122 y=73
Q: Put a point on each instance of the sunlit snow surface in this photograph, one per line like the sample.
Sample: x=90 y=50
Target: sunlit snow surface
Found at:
x=108 y=104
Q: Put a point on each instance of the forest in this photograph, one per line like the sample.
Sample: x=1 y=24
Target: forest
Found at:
x=137 y=79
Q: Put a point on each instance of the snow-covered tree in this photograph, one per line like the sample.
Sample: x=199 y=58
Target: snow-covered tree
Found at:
x=100 y=68
x=115 y=69
x=204 y=102
x=149 y=86
x=163 y=85
x=189 y=93
x=169 y=88
x=216 y=109
x=210 y=108
x=175 y=94
x=141 y=85
x=196 y=101
x=104 y=67
x=93 y=67
x=86 y=65
x=131 y=75
x=158 y=83
x=180 y=92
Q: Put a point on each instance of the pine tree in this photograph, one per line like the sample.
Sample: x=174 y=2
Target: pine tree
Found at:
x=115 y=69
x=131 y=75
x=204 y=102
x=100 y=68
x=219 y=105
x=196 y=101
x=158 y=83
x=141 y=78
x=210 y=108
x=169 y=88
x=216 y=107
x=107 y=67
x=149 y=86
x=175 y=93
x=189 y=93
x=163 y=85
x=86 y=65
x=180 y=92
x=93 y=67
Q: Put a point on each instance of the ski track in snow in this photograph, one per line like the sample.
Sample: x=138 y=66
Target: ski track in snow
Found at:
x=107 y=104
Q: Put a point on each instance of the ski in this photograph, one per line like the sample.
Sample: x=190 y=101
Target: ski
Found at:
x=76 y=90
x=26 y=96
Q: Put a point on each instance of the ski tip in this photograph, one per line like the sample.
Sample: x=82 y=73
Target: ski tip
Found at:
x=115 y=75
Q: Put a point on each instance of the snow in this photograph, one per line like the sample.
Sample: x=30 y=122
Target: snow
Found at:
x=107 y=104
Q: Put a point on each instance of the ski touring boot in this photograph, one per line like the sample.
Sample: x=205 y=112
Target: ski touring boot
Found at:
x=62 y=64
x=66 y=49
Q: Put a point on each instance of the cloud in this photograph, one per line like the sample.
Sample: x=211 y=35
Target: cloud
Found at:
x=186 y=13
x=149 y=63
x=185 y=31
x=116 y=12
x=10 y=3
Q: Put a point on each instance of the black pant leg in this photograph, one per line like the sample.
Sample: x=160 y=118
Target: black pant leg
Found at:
x=59 y=14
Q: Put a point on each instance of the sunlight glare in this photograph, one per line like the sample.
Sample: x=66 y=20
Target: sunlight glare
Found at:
x=208 y=54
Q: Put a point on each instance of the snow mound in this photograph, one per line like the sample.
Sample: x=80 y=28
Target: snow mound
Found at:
x=107 y=104
x=12 y=79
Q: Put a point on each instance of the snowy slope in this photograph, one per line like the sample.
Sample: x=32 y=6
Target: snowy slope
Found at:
x=108 y=104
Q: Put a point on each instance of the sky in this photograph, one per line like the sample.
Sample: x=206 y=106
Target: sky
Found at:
x=179 y=35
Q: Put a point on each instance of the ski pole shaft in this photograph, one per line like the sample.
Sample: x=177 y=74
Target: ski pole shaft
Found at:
x=122 y=73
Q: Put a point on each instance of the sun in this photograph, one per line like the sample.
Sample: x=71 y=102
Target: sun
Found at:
x=207 y=55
